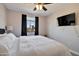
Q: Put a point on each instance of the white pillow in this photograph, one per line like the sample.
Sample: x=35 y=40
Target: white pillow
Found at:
x=7 y=42
x=11 y=36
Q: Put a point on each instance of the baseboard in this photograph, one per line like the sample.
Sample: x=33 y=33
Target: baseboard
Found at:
x=74 y=52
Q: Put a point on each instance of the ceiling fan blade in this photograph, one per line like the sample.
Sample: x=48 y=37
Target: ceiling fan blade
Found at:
x=44 y=8
x=46 y=3
x=43 y=3
x=34 y=9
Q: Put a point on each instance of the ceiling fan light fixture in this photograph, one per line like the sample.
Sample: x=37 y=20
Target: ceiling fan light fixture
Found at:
x=39 y=6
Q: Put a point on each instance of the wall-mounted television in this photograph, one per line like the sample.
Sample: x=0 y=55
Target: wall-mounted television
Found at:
x=66 y=20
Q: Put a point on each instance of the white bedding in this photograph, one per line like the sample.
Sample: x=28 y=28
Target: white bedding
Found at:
x=40 y=46
x=31 y=46
x=8 y=44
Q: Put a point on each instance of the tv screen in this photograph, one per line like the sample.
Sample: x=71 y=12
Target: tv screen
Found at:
x=67 y=20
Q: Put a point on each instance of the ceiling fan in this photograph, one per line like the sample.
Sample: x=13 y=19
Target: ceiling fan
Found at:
x=40 y=6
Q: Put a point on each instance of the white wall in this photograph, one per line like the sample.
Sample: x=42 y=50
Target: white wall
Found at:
x=42 y=25
x=2 y=16
x=68 y=35
x=14 y=19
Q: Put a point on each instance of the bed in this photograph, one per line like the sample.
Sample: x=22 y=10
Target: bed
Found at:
x=41 y=46
x=10 y=45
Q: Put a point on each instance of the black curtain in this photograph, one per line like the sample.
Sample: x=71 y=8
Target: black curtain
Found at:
x=24 y=25
x=36 y=25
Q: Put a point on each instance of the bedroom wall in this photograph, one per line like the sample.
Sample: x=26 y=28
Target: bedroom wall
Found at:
x=14 y=20
x=42 y=25
x=2 y=16
x=68 y=35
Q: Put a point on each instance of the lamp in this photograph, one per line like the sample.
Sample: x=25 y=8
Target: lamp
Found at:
x=9 y=29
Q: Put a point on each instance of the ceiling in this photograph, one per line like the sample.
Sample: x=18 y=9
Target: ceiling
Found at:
x=27 y=8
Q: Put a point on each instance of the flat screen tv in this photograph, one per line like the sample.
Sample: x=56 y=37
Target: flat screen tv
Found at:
x=67 y=20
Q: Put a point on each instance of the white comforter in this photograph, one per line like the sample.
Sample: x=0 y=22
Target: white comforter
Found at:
x=40 y=46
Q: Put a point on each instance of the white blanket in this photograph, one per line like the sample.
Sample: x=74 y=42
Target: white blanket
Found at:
x=40 y=46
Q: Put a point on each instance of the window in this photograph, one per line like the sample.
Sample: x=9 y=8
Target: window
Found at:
x=30 y=25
